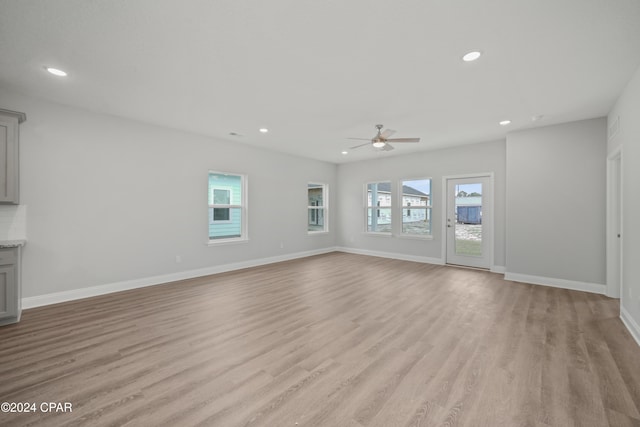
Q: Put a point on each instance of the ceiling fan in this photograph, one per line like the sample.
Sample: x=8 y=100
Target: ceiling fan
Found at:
x=381 y=140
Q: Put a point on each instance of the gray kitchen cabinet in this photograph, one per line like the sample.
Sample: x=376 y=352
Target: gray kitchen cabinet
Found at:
x=10 y=288
x=10 y=156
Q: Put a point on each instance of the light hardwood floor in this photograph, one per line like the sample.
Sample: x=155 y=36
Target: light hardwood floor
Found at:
x=331 y=340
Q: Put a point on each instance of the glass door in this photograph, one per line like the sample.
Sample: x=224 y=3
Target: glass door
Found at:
x=468 y=222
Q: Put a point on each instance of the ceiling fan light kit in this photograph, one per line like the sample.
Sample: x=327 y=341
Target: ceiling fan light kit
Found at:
x=381 y=140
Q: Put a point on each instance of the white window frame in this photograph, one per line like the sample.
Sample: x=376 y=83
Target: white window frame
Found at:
x=324 y=208
x=376 y=209
x=244 y=209
x=401 y=208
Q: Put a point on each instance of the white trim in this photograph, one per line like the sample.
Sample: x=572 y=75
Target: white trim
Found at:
x=631 y=324
x=226 y=241
x=596 y=288
x=414 y=236
x=613 y=215
x=378 y=233
x=500 y=269
x=391 y=255
x=58 y=297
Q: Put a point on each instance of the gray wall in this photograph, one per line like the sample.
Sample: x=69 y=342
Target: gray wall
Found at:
x=627 y=110
x=556 y=185
x=112 y=200
x=476 y=158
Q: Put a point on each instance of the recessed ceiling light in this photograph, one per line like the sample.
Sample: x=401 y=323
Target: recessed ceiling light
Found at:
x=345 y=152
x=56 y=71
x=263 y=130
x=471 y=56
x=505 y=122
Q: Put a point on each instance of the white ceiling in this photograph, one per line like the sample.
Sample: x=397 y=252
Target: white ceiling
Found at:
x=316 y=72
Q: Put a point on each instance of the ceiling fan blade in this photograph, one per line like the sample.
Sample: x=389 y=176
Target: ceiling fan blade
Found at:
x=387 y=133
x=361 y=145
x=404 y=140
x=361 y=139
x=387 y=147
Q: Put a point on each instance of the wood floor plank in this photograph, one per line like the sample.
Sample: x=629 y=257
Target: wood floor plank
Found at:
x=335 y=339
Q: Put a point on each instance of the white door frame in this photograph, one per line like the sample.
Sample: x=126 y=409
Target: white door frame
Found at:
x=489 y=229
x=614 y=224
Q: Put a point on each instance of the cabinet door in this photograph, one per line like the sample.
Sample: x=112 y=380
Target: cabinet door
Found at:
x=8 y=160
x=8 y=291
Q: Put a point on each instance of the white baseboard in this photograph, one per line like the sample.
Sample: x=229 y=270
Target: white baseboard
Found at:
x=392 y=255
x=500 y=269
x=595 y=288
x=58 y=297
x=631 y=324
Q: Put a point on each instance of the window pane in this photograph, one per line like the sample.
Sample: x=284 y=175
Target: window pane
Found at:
x=316 y=195
x=221 y=214
x=379 y=194
x=416 y=221
x=416 y=192
x=229 y=228
x=219 y=184
x=379 y=220
x=416 y=207
x=316 y=220
x=468 y=225
x=221 y=197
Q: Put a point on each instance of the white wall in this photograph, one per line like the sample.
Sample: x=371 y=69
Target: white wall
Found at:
x=556 y=204
x=112 y=200
x=469 y=159
x=627 y=111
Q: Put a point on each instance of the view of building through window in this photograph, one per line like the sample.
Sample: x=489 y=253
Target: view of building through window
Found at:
x=416 y=207
x=379 y=207
x=226 y=206
x=316 y=208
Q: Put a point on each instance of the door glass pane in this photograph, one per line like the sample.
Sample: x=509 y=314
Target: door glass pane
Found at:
x=468 y=222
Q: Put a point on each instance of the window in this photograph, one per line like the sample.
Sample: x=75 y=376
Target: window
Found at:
x=227 y=207
x=379 y=207
x=416 y=207
x=317 y=208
